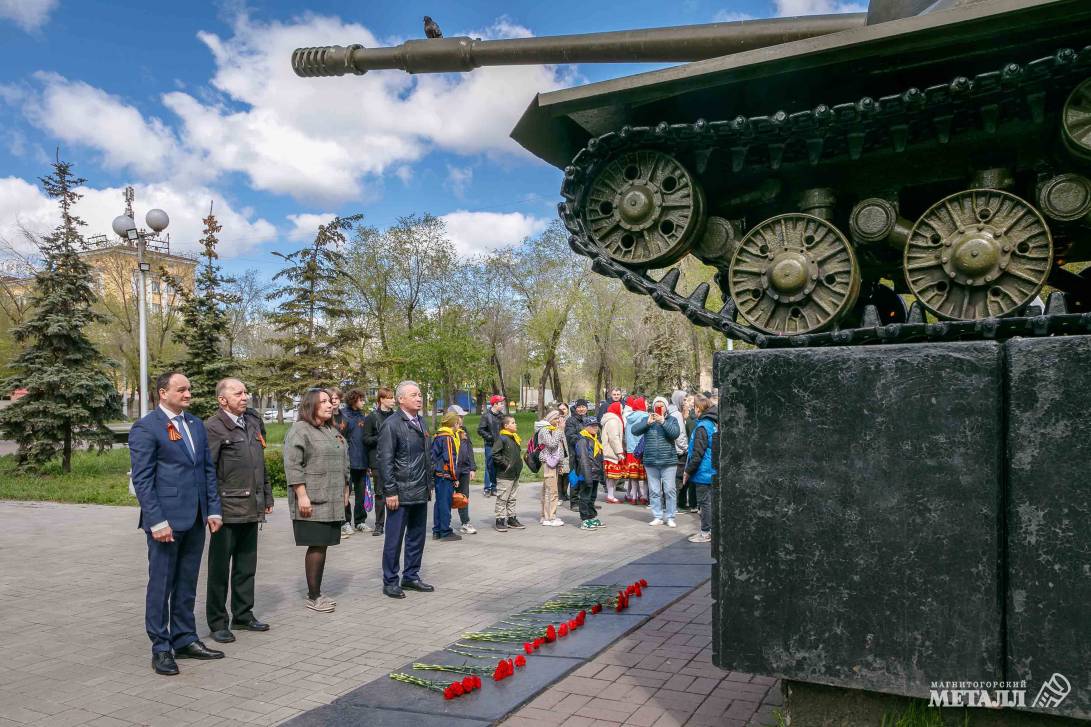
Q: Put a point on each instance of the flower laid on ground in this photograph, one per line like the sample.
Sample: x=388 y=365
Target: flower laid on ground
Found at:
x=520 y=661
x=563 y=630
x=504 y=669
x=471 y=669
x=550 y=634
x=597 y=608
x=449 y=691
x=529 y=647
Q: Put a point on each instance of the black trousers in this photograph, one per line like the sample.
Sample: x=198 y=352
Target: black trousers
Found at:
x=232 y=557
x=464 y=488
x=588 y=492
x=358 y=478
x=687 y=493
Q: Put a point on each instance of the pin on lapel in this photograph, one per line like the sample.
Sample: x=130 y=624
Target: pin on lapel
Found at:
x=172 y=433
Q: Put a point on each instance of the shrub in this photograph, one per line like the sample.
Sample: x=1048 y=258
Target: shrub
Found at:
x=274 y=472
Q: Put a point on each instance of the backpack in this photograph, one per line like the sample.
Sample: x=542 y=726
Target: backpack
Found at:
x=532 y=458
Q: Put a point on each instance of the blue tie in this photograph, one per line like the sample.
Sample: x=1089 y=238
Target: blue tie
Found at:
x=185 y=435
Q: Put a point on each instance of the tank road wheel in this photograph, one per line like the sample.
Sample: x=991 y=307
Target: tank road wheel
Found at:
x=793 y=274
x=1076 y=120
x=645 y=209
x=978 y=254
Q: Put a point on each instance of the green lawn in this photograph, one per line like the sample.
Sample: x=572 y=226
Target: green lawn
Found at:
x=103 y=479
x=96 y=479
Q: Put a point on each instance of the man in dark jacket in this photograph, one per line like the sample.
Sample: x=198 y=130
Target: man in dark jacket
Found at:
x=572 y=428
x=616 y=394
x=373 y=422
x=236 y=441
x=489 y=430
x=405 y=469
x=586 y=476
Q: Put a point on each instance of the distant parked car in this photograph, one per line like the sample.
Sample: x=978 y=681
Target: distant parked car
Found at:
x=270 y=415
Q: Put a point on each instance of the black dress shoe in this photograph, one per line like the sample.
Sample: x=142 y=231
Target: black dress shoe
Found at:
x=378 y=530
x=254 y=625
x=163 y=663
x=223 y=636
x=394 y=591
x=418 y=585
x=197 y=650
x=451 y=537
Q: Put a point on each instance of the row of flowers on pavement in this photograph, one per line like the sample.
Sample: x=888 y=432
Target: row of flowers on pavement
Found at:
x=524 y=628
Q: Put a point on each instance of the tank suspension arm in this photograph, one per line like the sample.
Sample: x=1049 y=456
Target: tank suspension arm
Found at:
x=656 y=45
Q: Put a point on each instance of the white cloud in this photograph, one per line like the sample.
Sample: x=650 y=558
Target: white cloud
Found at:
x=792 y=8
x=730 y=16
x=305 y=226
x=27 y=14
x=479 y=232
x=24 y=205
x=458 y=179
x=78 y=113
x=319 y=139
x=404 y=173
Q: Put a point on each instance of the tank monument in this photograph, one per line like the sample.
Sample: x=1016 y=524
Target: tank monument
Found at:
x=886 y=198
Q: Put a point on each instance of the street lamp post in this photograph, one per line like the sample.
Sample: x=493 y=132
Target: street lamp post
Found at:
x=125 y=227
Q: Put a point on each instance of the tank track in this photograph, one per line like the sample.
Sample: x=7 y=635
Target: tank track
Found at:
x=845 y=131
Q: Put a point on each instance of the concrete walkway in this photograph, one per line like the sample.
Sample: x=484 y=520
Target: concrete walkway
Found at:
x=73 y=649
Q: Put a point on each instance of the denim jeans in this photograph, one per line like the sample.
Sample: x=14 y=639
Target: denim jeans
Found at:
x=661 y=485
x=441 y=511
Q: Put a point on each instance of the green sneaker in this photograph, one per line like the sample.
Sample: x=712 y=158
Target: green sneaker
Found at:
x=597 y=523
x=587 y=525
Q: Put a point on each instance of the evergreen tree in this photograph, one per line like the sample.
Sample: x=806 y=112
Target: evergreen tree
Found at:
x=69 y=396
x=311 y=312
x=205 y=324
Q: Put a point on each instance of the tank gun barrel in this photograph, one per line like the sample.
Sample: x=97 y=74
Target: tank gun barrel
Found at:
x=656 y=45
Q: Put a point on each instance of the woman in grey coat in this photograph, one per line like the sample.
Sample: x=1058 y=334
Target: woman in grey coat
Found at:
x=316 y=466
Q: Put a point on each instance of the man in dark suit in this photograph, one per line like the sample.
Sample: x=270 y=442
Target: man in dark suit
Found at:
x=236 y=443
x=405 y=467
x=175 y=482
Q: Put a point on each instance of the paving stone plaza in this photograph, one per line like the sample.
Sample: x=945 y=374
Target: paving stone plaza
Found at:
x=73 y=649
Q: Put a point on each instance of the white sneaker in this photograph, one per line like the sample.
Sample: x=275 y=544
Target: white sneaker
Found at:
x=362 y=528
x=545 y=523
x=320 y=604
x=557 y=522
x=655 y=522
x=468 y=529
x=700 y=537
x=671 y=523
x=346 y=531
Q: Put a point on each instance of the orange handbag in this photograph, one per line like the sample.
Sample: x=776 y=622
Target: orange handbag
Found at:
x=459 y=501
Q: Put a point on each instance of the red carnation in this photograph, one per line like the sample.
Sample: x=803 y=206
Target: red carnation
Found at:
x=456 y=689
x=630 y=590
x=520 y=661
x=528 y=648
x=643 y=583
x=581 y=615
x=597 y=608
x=538 y=643
x=477 y=682
x=448 y=693
x=573 y=624
x=468 y=685
x=637 y=593
x=563 y=630
x=551 y=634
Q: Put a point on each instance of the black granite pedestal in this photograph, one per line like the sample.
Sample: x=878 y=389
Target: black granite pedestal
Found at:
x=888 y=517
